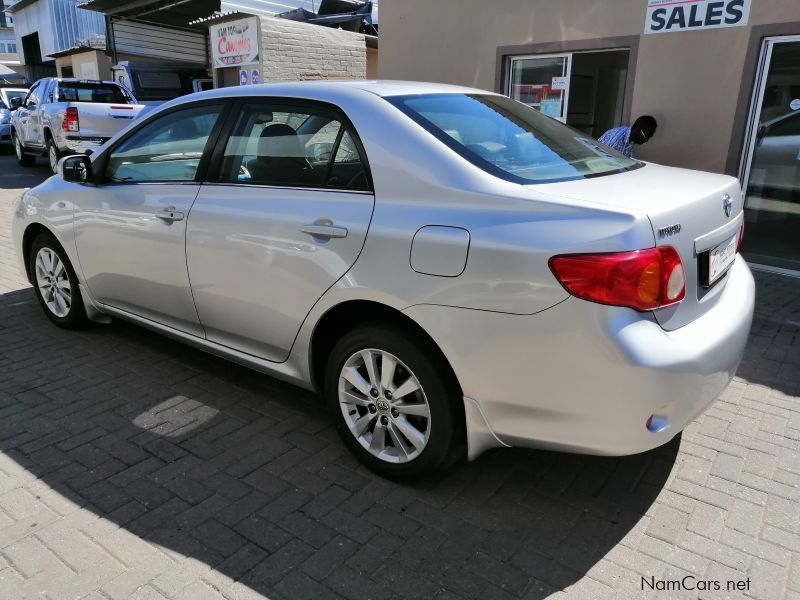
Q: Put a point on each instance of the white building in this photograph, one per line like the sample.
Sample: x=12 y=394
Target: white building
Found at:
x=46 y=27
x=10 y=69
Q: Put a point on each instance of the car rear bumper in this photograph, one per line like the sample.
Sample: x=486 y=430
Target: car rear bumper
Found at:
x=584 y=377
x=75 y=144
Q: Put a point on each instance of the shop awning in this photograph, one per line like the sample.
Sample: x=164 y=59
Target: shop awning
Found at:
x=8 y=73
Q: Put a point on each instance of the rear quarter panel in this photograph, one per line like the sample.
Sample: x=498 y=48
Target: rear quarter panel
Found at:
x=514 y=230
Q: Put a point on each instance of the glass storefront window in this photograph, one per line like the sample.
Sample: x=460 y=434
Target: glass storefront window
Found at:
x=531 y=81
x=772 y=205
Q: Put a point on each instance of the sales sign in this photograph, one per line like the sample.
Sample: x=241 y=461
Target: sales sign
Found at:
x=234 y=43
x=664 y=16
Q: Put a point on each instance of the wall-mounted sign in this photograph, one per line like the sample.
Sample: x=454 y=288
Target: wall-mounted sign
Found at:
x=664 y=16
x=559 y=83
x=234 y=43
x=243 y=77
x=255 y=77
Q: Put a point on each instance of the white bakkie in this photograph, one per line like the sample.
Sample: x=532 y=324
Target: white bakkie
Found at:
x=69 y=116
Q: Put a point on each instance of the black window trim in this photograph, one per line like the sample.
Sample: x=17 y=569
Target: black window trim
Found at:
x=33 y=88
x=100 y=162
x=214 y=171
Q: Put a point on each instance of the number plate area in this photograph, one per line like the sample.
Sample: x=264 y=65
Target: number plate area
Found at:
x=716 y=261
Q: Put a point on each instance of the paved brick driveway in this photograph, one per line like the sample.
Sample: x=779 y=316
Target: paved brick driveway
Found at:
x=134 y=467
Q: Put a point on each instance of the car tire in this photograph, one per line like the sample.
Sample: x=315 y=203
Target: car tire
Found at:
x=55 y=283
x=418 y=434
x=25 y=160
x=53 y=156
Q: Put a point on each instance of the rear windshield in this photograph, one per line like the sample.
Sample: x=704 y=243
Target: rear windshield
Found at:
x=511 y=140
x=106 y=93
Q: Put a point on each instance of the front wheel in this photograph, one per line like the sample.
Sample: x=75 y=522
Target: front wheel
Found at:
x=25 y=160
x=395 y=403
x=55 y=283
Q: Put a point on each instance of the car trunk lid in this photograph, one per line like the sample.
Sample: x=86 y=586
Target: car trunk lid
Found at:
x=688 y=210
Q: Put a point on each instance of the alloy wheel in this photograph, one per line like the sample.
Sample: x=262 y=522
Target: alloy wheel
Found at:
x=18 y=148
x=52 y=280
x=384 y=406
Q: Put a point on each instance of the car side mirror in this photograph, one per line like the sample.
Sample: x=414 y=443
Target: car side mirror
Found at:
x=15 y=103
x=76 y=168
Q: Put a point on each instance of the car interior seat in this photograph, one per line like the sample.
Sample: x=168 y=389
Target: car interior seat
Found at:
x=280 y=157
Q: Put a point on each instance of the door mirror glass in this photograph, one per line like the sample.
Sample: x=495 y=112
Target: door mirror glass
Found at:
x=77 y=168
x=15 y=103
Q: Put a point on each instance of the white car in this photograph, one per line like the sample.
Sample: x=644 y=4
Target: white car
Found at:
x=453 y=269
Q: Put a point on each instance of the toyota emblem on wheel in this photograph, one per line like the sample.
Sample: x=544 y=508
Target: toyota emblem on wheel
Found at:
x=727 y=205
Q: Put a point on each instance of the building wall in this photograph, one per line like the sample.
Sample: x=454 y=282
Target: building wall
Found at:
x=372 y=63
x=688 y=80
x=299 y=51
x=91 y=64
x=7 y=37
x=60 y=25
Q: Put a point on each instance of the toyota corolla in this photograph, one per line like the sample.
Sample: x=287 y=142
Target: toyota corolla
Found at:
x=453 y=270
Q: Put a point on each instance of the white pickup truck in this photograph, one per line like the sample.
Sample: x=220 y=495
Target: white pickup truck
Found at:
x=69 y=116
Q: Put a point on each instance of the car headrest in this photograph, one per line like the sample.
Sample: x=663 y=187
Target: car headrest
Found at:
x=279 y=141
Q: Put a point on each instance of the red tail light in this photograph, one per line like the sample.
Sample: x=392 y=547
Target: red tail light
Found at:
x=741 y=237
x=71 y=122
x=643 y=280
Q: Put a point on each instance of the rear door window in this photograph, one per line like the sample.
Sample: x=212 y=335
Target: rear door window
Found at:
x=292 y=145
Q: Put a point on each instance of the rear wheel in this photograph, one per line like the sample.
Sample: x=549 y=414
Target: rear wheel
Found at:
x=395 y=405
x=53 y=156
x=25 y=160
x=55 y=283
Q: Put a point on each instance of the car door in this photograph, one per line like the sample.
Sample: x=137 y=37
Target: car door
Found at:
x=33 y=131
x=23 y=113
x=284 y=216
x=130 y=228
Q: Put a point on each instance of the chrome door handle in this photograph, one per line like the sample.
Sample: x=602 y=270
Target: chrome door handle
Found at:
x=324 y=231
x=170 y=215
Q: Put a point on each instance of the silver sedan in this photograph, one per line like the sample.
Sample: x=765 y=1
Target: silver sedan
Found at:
x=454 y=270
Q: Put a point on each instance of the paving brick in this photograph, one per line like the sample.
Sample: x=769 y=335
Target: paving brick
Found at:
x=668 y=524
x=707 y=520
x=278 y=564
x=746 y=517
x=350 y=584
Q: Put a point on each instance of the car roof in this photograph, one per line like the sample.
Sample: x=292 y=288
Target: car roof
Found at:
x=383 y=88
